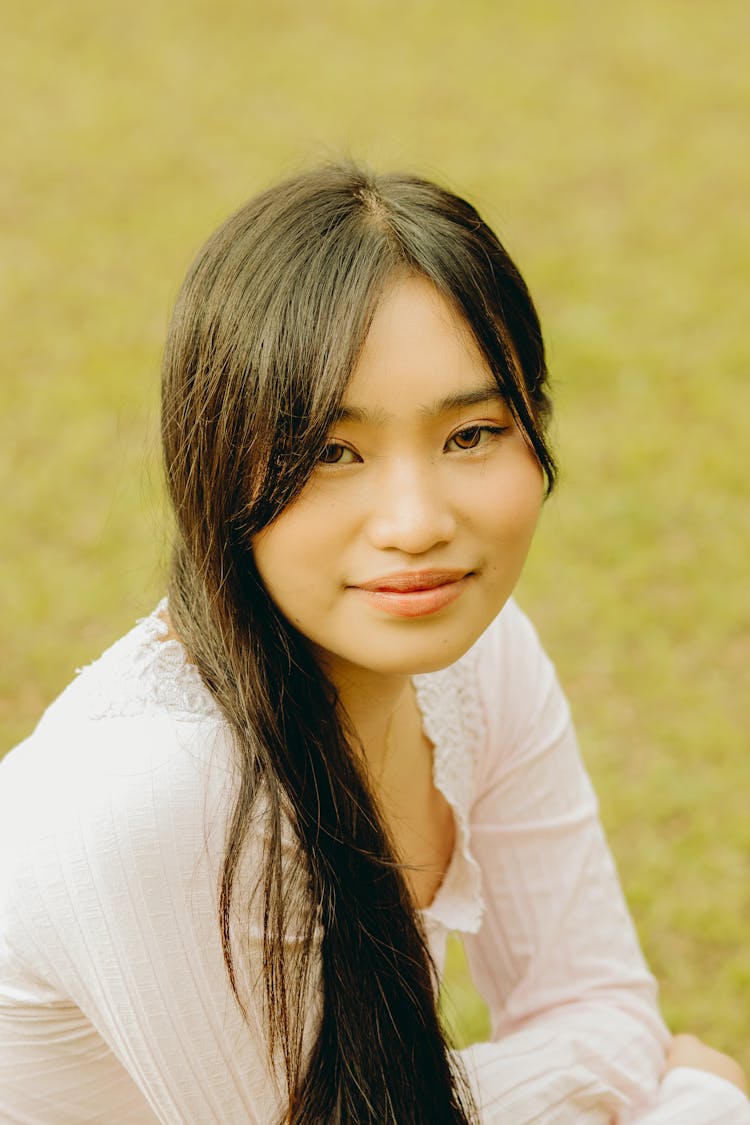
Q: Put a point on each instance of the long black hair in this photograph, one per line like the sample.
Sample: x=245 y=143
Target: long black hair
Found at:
x=266 y=332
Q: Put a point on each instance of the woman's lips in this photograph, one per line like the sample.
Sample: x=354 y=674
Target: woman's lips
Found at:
x=414 y=593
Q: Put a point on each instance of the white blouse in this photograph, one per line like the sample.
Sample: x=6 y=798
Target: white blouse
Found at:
x=115 y=1005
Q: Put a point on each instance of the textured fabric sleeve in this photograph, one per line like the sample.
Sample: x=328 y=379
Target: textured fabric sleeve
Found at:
x=577 y=1036
x=114 y=999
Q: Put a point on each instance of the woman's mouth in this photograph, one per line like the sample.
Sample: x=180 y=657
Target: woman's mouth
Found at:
x=414 y=593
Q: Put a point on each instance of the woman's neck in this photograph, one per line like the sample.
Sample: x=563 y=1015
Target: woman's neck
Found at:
x=379 y=709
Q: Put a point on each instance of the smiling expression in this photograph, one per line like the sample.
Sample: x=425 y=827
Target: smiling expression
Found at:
x=413 y=529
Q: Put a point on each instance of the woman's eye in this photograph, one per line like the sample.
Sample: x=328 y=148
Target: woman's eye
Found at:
x=472 y=436
x=334 y=453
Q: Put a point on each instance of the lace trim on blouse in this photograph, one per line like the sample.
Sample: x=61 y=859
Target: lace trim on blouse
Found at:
x=453 y=721
x=144 y=674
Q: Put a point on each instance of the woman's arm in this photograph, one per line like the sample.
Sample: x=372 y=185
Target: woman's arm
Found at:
x=576 y=1029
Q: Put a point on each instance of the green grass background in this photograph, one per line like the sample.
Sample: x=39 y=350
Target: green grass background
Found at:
x=609 y=146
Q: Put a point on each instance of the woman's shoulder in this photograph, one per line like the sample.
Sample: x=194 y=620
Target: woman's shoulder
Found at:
x=512 y=667
x=120 y=791
x=144 y=673
x=507 y=657
x=490 y=698
x=135 y=729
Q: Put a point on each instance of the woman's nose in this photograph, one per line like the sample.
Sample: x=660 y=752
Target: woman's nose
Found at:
x=410 y=513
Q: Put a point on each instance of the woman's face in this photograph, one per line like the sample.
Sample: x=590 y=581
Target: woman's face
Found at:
x=411 y=533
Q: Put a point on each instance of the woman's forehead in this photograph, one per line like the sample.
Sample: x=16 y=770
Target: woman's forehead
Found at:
x=418 y=347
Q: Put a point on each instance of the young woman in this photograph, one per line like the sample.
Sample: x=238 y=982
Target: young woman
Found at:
x=232 y=850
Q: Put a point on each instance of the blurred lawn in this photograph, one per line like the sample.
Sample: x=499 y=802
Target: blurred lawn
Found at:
x=609 y=144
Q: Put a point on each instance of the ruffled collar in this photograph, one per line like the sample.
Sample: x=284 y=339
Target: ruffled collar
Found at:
x=452 y=720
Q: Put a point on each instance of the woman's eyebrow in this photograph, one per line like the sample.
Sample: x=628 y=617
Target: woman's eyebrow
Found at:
x=489 y=392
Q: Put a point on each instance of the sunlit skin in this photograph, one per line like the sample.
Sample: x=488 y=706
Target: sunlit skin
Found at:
x=427 y=478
